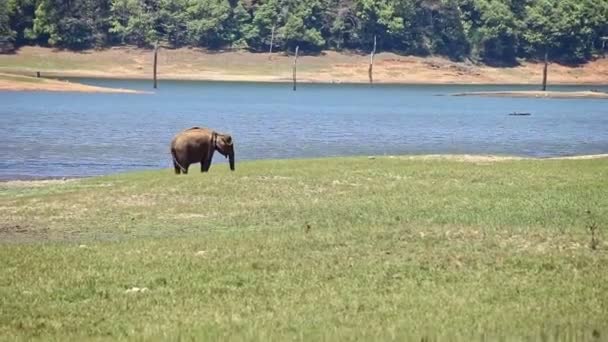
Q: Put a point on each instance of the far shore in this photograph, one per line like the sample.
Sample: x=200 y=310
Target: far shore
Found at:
x=329 y=67
x=540 y=94
x=33 y=181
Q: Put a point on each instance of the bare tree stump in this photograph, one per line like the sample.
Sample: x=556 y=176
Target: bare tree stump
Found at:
x=155 y=62
x=271 y=41
x=295 y=62
x=545 y=71
x=371 y=63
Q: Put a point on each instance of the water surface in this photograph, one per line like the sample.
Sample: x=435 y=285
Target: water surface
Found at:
x=79 y=134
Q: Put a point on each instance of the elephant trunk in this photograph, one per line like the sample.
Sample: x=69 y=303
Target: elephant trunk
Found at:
x=231 y=160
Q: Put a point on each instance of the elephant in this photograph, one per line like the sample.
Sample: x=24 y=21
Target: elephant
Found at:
x=197 y=144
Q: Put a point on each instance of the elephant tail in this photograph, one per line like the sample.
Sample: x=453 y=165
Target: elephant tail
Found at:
x=175 y=160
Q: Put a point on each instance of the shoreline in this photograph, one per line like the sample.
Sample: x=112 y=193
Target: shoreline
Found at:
x=328 y=67
x=261 y=79
x=58 y=75
x=10 y=82
x=28 y=180
x=550 y=94
x=62 y=82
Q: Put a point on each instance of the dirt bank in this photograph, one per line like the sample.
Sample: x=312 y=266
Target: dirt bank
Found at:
x=11 y=82
x=329 y=67
x=540 y=94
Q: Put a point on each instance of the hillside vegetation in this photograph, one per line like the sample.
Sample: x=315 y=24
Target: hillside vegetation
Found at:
x=496 y=32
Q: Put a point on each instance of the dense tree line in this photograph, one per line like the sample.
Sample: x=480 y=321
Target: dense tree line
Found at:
x=496 y=31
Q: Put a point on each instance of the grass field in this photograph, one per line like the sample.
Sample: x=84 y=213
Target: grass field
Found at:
x=325 y=249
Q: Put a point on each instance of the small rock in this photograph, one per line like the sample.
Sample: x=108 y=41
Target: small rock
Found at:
x=371 y=157
x=137 y=289
x=133 y=289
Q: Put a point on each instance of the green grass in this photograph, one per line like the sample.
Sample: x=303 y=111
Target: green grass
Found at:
x=327 y=249
x=60 y=62
x=20 y=78
x=54 y=61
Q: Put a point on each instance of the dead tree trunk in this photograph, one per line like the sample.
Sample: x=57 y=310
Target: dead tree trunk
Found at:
x=295 y=62
x=155 y=61
x=545 y=71
x=371 y=63
x=271 y=41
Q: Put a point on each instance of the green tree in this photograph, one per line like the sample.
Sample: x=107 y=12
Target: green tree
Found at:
x=238 y=26
x=439 y=29
x=493 y=30
x=7 y=35
x=173 y=22
x=135 y=22
x=567 y=30
x=21 y=20
x=267 y=15
x=542 y=28
x=208 y=22
x=343 y=24
x=77 y=24
x=303 y=24
x=391 y=21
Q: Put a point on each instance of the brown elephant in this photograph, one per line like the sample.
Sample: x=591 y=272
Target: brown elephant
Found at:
x=197 y=145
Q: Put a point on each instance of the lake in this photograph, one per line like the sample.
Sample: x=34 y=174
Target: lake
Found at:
x=73 y=134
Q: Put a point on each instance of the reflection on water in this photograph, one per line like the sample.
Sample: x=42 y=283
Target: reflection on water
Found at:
x=67 y=134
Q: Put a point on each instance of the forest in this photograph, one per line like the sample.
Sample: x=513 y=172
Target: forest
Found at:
x=496 y=32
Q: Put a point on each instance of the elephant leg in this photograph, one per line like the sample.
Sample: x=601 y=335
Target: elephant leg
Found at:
x=207 y=163
x=204 y=162
x=176 y=166
x=180 y=166
x=183 y=167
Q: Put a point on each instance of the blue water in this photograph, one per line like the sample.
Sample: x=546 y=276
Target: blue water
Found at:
x=72 y=134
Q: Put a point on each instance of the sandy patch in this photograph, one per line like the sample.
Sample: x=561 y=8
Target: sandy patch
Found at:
x=459 y=157
x=471 y=158
x=35 y=183
x=540 y=94
x=590 y=156
x=192 y=216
